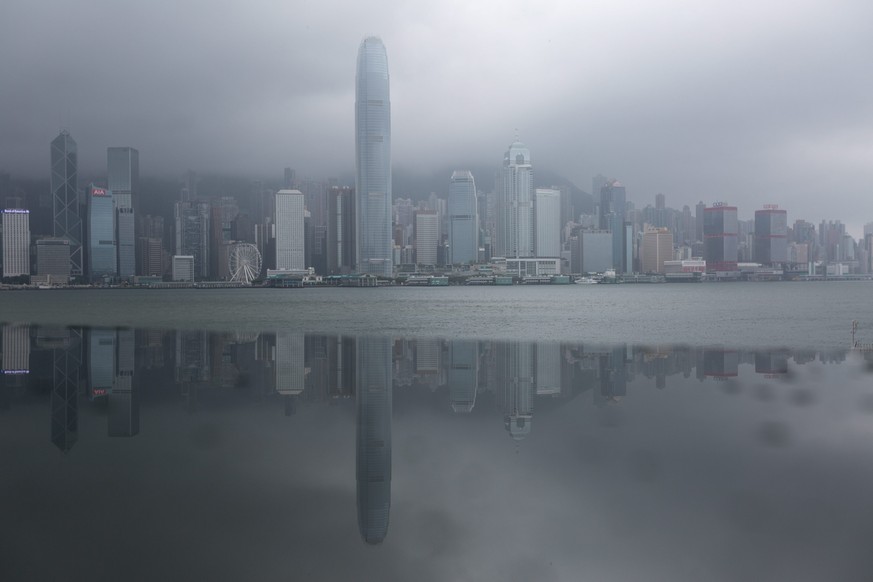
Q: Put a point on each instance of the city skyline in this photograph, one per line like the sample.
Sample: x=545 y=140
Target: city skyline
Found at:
x=742 y=117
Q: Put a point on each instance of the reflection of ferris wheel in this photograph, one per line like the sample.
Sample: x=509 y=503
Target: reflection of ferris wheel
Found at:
x=244 y=262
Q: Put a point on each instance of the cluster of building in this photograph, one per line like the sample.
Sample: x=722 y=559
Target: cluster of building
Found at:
x=100 y=234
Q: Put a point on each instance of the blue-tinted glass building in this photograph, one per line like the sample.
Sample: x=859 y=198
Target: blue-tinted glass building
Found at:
x=102 y=256
x=375 y=246
x=463 y=219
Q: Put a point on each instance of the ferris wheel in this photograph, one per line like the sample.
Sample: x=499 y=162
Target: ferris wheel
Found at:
x=244 y=262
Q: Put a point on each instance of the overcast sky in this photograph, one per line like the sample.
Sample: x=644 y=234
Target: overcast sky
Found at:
x=748 y=102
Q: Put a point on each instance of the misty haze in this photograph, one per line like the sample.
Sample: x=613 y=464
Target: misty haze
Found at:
x=445 y=291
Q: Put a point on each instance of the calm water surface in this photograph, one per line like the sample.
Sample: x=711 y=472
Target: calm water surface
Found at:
x=148 y=453
x=816 y=315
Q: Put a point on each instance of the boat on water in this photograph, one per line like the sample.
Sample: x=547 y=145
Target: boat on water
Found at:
x=586 y=281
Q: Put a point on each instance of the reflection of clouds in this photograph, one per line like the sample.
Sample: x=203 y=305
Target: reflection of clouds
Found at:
x=774 y=434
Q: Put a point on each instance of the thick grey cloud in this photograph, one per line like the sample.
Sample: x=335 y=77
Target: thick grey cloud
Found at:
x=740 y=101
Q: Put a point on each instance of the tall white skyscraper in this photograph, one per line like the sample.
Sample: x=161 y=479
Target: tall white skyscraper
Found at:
x=463 y=219
x=290 y=236
x=375 y=247
x=16 y=242
x=515 y=212
x=547 y=209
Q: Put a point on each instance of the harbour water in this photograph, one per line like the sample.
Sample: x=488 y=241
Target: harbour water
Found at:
x=814 y=315
x=437 y=434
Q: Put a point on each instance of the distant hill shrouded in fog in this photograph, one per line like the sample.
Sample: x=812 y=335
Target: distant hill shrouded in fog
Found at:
x=158 y=194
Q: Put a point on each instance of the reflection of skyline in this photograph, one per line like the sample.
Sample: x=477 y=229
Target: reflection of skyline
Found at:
x=511 y=379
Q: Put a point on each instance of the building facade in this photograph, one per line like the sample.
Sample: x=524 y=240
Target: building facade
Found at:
x=183 y=268
x=613 y=200
x=547 y=224
x=192 y=235
x=375 y=248
x=290 y=235
x=515 y=212
x=340 y=230
x=771 y=236
x=657 y=248
x=122 y=165
x=53 y=260
x=67 y=217
x=720 y=234
x=102 y=252
x=16 y=242
x=427 y=231
x=463 y=219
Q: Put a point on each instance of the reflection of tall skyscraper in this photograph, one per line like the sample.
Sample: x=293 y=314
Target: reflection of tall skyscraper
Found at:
x=16 y=349
x=65 y=198
x=290 y=365
x=375 y=246
x=67 y=362
x=101 y=364
x=463 y=374
x=548 y=368
x=720 y=363
x=374 y=394
x=192 y=356
x=515 y=212
x=516 y=386
x=124 y=400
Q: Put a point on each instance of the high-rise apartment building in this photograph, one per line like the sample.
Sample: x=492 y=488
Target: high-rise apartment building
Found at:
x=290 y=236
x=515 y=212
x=547 y=224
x=67 y=218
x=657 y=247
x=375 y=246
x=16 y=242
x=771 y=235
x=123 y=172
x=427 y=232
x=720 y=233
x=463 y=219
x=102 y=253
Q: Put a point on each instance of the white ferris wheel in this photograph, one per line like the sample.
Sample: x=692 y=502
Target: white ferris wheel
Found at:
x=244 y=262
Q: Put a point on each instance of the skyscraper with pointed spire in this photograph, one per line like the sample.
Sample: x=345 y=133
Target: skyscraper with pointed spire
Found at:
x=375 y=246
x=67 y=219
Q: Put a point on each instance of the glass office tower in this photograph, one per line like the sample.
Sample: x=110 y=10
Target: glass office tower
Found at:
x=375 y=247
x=67 y=223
